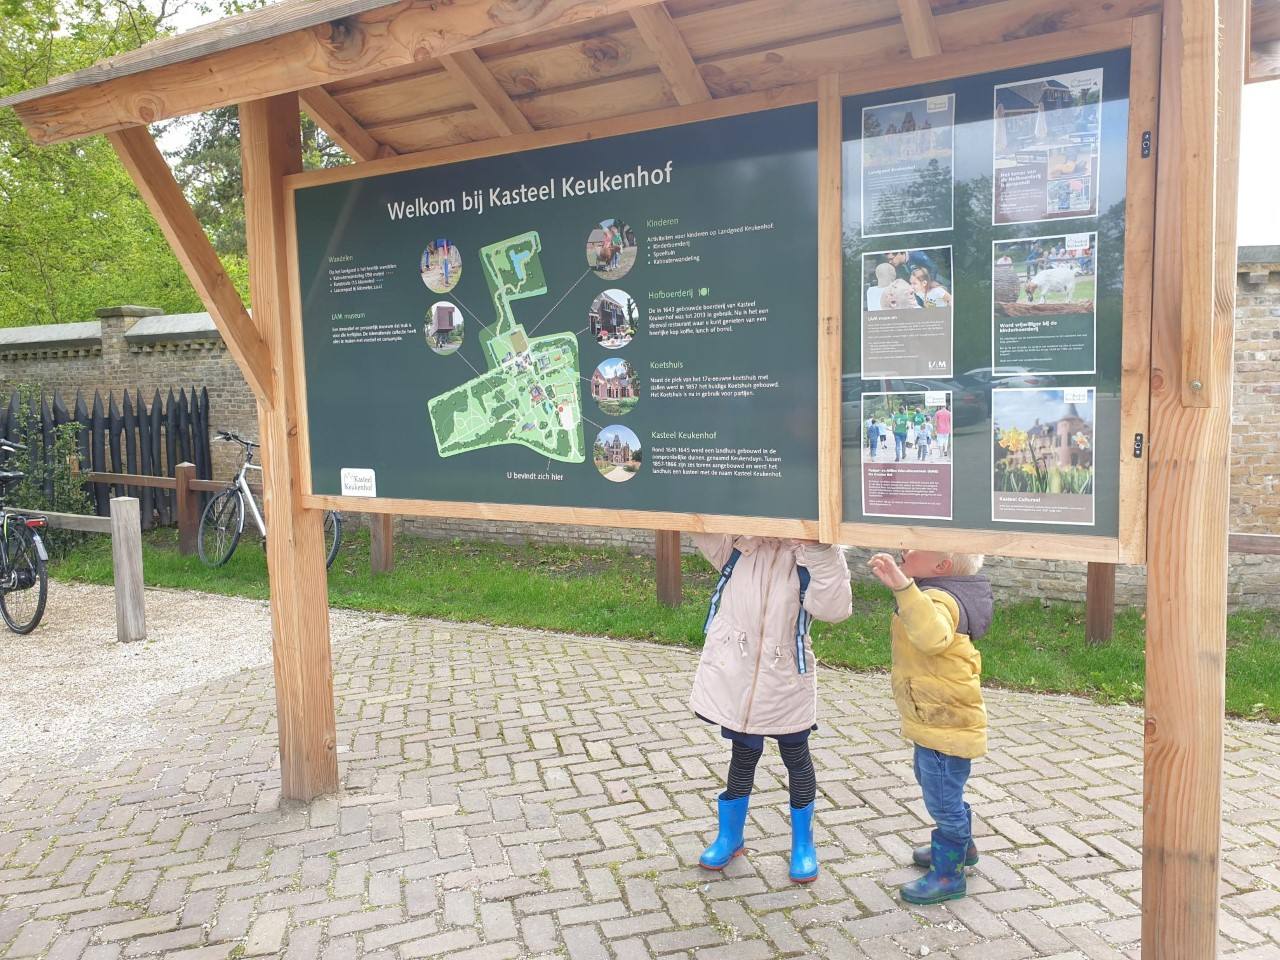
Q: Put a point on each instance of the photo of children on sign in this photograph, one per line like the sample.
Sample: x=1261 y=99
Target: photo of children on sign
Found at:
x=907 y=313
x=906 y=455
x=1042 y=455
x=907 y=179
x=1044 y=317
x=1046 y=148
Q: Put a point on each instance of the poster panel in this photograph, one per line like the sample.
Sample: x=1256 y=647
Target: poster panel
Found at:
x=907 y=313
x=906 y=455
x=1044 y=303
x=622 y=323
x=1046 y=150
x=1042 y=444
x=907 y=178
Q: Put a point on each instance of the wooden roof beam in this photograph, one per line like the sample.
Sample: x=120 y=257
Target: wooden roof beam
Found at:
x=486 y=93
x=342 y=128
x=922 y=29
x=1264 y=42
x=664 y=41
x=362 y=44
x=154 y=180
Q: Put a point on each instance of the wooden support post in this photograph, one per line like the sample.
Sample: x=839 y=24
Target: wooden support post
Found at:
x=1189 y=480
x=382 y=544
x=670 y=574
x=270 y=146
x=1100 y=604
x=188 y=504
x=126 y=566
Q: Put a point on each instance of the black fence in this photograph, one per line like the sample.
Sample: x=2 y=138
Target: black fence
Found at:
x=129 y=436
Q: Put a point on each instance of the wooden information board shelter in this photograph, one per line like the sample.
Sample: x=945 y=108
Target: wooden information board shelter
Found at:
x=414 y=83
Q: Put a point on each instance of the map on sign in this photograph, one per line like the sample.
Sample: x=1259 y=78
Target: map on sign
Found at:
x=529 y=395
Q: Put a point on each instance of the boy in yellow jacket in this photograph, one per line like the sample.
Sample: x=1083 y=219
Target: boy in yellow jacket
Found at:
x=944 y=604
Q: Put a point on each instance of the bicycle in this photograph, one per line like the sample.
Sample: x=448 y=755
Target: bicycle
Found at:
x=222 y=522
x=24 y=575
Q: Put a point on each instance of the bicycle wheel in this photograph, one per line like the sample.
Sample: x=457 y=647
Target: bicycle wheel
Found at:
x=332 y=536
x=24 y=582
x=220 y=527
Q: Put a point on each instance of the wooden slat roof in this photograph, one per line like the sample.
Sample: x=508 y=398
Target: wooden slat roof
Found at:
x=395 y=77
x=226 y=34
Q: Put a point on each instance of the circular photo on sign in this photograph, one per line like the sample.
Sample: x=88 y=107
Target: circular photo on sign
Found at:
x=613 y=319
x=441 y=266
x=615 y=387
x=611 y=249
x=617 y=453
x=443 y=327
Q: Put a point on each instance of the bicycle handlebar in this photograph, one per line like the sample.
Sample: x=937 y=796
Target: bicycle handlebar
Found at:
x=224 y=435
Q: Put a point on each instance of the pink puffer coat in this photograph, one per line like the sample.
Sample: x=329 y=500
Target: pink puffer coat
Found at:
x=750 y=678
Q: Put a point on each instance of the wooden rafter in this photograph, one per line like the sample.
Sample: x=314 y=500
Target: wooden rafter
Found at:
x=341 y=127
x=922 y=29
x=154 y=180
x=486 y=93
x=664 y=41
x=1264 y=41
x=350 y=47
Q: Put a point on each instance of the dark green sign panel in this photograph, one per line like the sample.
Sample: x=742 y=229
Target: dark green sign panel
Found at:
x=984 y=235
x=627 y=323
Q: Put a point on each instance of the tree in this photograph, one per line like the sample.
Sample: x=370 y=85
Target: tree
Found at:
x=74 y=234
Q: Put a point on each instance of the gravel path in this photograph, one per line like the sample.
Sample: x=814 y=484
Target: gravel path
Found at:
x=71 y=692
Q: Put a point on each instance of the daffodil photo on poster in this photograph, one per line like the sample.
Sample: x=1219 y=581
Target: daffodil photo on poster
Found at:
x=1042 y=455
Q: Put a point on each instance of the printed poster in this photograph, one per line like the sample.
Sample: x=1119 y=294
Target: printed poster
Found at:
x=1044 y=304
x=907 y=178
x=907 y=313
x=1046 y=148
x=906 y=455
x=1042 y=455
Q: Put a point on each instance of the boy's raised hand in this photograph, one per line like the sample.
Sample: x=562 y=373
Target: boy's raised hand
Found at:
x=886 y=571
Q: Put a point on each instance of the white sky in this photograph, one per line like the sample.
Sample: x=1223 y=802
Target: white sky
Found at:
x=1259 y=186
x=1259 y=148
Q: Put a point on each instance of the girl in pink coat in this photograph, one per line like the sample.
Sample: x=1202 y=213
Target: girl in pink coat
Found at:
x=757 y=676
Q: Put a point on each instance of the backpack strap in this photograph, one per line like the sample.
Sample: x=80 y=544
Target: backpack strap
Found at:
x=803 y=621
x=725 y=573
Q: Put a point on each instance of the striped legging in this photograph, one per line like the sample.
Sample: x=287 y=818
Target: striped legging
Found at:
x=802 y=781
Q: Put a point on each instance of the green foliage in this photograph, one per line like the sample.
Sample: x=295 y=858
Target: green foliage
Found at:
x=49 y=483
x=74 y=235
x=1031 y=646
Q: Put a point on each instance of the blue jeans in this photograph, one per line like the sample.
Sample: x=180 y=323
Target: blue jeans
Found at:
x=942 y=778
x=901 y=439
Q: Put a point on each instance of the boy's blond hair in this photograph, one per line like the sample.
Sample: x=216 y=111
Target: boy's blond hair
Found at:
x=966 y=564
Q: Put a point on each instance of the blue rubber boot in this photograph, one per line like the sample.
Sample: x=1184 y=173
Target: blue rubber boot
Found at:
x=728 y=841
x=804 y=858
x=923 y=856
x=945 y=879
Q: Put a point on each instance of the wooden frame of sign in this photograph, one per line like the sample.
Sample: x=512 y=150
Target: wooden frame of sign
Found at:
x=1140 y=34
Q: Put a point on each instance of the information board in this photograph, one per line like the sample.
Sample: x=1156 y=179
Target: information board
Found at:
x=624 y=323
x=984 y=239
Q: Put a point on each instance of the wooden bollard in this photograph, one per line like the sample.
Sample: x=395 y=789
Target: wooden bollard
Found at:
x=670 y=575
x=126 y=563
x=382 y=544
x=188 y=508
x=1100 y=604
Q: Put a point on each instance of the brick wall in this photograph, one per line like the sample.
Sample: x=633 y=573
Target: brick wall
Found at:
x=135 y=348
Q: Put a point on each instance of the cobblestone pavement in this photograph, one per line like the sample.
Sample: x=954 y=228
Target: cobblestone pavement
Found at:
x=510 y=794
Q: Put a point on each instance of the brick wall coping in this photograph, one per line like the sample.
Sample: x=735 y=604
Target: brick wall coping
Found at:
x=173 y=326
x=1256 y=259
x=52 y=336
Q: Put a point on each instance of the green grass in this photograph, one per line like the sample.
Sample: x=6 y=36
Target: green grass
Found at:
x=604 y=592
